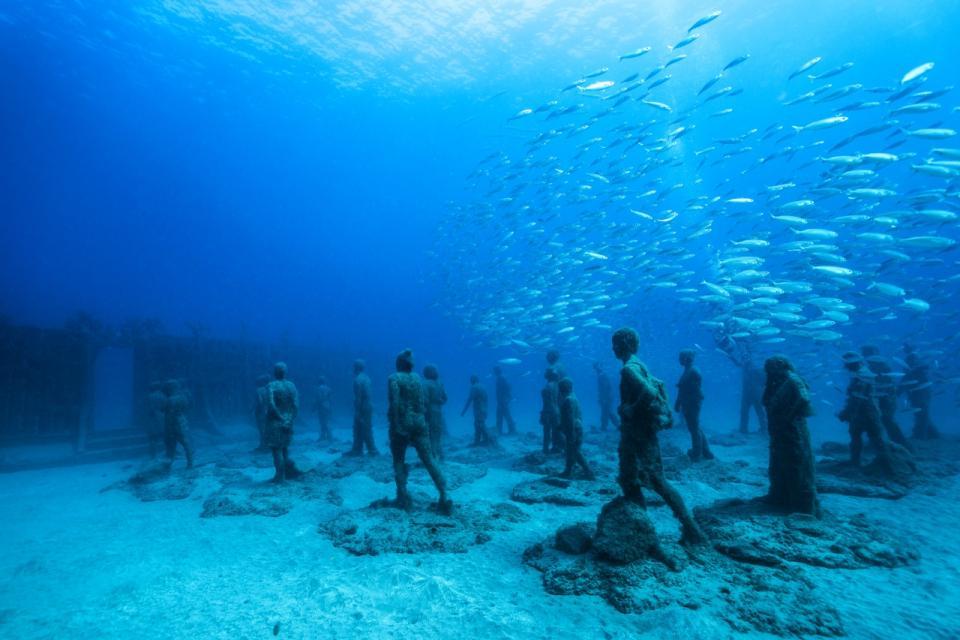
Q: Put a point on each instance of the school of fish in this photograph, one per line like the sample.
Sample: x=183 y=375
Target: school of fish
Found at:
x=817 y=231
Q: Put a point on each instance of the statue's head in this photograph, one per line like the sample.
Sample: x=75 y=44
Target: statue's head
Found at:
x=405 y=361
x=430 y=372
x=359 y=366
x=280 y=370
x=687 y=356
x=566 y=386
x=777 y=367
x=626 y=342
x=852 y=361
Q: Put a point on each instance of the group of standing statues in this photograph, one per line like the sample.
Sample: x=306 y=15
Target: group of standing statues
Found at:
x=777 y=394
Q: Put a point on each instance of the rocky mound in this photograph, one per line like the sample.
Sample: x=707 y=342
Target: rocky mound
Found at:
x=749 y=531
x=754 y=577
x=157 y=480
x=382 y=528
x=563 y=492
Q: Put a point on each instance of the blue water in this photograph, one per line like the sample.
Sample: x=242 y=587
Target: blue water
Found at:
x=286 y=168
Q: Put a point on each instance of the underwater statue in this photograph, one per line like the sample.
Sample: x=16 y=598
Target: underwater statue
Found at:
x=556 y=434
x=793 y=485
x=550 y=410
x=362 y=412
x=917 y=385
x=260 y=411
x=324 y=409
x=553 y=362
x=605 y=398
x=863 y=417
x=504 y=395
x=860 y=411
x=644 y=410
x=689 y=401
x=155 y=416
x=408 y=427
x=571 y=422
x=434 y=397
x=751 y=380
x=283 y=404
x=886 y=393
x=176 y=429
x=477 y=398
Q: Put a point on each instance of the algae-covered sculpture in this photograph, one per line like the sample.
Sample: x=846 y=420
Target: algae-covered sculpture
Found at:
x=362 y=412
x=689 y=401
x=885 y=390
x=477 y=398
x=283 y=404
x=793 y=485
x=917 y=385
x=434 y=397
x=408 y=427
x=644 y=410
x=863 y=417
x=751 y=379
x=605 y=398
x=176 y=429
x=550 y=411
x=861 y=412
x=571 y=422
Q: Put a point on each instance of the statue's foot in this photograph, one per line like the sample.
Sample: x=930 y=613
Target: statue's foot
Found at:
x=692 y=536
x=445 y=506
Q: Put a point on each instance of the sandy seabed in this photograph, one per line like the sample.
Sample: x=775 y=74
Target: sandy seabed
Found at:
x=85 y=558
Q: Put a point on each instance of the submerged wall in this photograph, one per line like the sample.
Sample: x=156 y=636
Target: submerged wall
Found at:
x=49 y=377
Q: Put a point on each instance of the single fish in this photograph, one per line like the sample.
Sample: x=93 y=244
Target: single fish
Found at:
x=832 y=72
x=916 y=72
x=736 y=62
x=598 y=86
x=809 y=64
x=712 y=81
x=686 y=41
x=674 y=60
x=705 y=20
x=825 y=123
x=635 y=54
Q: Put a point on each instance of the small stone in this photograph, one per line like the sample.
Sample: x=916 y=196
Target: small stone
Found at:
x=575 y=539
x=625 y=533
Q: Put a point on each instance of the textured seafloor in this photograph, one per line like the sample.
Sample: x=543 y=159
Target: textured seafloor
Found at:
x=220 y=553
